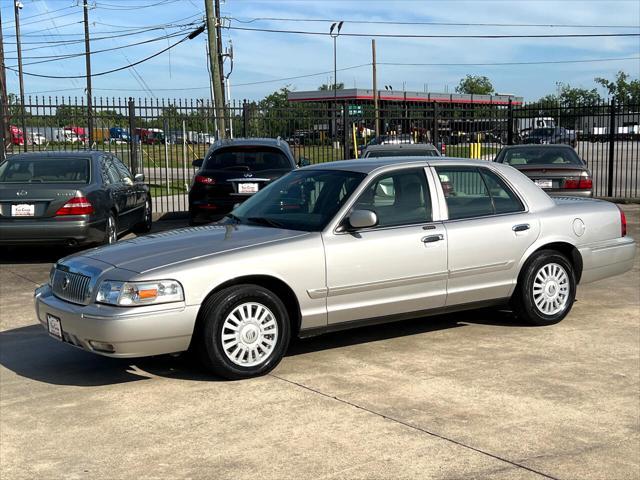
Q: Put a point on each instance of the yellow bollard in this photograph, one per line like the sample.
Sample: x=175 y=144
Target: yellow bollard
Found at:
x=355 y=141
x=475 y=150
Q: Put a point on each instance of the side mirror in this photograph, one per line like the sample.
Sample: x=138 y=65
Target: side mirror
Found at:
x=362 y=219
x=198 y=162
x=139 y=177
x=303 y=162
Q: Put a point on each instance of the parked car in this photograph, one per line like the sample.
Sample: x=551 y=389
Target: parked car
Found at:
x=401 y=150
x=324 y=248
x=552 y=135
x=36 y=138
x=232 y=171
x=388 y=140
x=557 y=169
x=70 y=198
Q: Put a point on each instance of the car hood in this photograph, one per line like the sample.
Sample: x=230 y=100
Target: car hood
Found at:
x=161 y=249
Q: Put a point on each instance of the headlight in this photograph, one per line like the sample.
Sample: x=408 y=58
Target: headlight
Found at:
x=139 y=293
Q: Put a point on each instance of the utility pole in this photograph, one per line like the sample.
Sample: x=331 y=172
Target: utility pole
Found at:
x=216 y=78
x=17 y=6
x=219 y=44
x=87 y=55
x=4 y=106
x=375 y=87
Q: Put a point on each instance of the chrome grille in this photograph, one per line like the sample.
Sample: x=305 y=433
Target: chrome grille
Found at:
x=73 y=287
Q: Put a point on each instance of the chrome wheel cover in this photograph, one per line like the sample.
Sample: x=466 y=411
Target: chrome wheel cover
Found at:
x=551 y=289
x=147 y=212
x=112 y=233
x=249 y=334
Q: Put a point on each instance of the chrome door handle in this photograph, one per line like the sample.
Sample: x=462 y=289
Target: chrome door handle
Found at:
x=432 y=238
x=520 y=228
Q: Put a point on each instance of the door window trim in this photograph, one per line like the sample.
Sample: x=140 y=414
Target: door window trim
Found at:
x=366 y=184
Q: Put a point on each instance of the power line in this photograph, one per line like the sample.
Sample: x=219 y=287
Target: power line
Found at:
x=446 y=24
x=485 y=64
x=415 y=35
x=53 y=58
x=111 y=6
x=43 y=13
x=192 y=35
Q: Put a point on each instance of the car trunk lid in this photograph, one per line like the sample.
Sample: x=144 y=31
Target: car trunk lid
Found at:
x=34 y=200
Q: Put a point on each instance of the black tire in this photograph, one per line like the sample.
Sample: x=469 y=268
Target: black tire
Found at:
x=147 y=218
x=529 y=305
x=110 y=229
x=208 y=345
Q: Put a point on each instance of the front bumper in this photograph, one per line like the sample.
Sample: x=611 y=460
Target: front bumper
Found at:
x=607 y=259
x=55 y=230
x=133 y=332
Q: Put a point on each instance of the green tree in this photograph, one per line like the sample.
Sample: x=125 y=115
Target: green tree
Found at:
x=476 y=85
x=325 y=86
x=621 y=89
x=570 y=96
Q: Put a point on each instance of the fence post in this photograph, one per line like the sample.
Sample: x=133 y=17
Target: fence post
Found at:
x=245 y=119
x=133 y=141
x=612 y=139
x=510 y=124
x=3 y=129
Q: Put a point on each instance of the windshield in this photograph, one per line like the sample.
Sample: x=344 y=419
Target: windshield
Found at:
x=402 y=153
x=45 y=170
x=301 y=200
x=254 y=159
x=540 y=156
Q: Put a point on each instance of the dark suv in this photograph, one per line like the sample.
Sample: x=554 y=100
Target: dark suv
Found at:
x=232 y=171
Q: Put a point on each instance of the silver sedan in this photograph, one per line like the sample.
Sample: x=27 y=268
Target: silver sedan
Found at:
x=334 y=246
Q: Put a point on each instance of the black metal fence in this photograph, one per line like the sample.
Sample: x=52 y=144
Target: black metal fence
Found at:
x=161 y=138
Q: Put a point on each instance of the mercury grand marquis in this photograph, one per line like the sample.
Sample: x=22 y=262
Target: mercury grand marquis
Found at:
x=334 y=246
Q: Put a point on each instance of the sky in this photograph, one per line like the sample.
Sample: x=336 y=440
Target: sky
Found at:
x=50 y=27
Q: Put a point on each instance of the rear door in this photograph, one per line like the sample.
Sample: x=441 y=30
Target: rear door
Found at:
x=120 y=192
x=488 y=230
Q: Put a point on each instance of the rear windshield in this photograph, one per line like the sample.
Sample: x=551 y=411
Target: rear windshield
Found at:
x=402 y=153
x=45 y=170
x=247 y=158
x=540 y=156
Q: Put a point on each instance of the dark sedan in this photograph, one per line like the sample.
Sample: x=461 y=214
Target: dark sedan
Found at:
x=232 y=171
x=557 y=169
x=70 y=198
x=551 y=135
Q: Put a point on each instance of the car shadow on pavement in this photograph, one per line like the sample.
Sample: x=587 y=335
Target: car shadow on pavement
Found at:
x=29 y=351
x=35 y=254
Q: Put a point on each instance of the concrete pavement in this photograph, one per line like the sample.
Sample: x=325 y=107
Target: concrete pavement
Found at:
x=469 y=395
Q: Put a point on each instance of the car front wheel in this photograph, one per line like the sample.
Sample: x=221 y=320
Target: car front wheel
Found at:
x=111 y=230
x=546 y=290
x=243 y=332
x=147 y=218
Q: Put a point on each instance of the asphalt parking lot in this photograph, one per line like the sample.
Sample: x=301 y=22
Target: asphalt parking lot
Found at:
x=467 y=395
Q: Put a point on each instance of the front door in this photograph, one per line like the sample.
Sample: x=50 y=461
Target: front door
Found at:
x=398 y=266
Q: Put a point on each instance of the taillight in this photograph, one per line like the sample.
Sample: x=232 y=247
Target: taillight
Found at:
x=623 y=223
x=76 y=206
x=205 y=180
x=583 y=183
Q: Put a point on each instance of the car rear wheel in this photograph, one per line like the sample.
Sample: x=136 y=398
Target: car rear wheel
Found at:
x=111 y=230
x=546 y=290
x=243 y=332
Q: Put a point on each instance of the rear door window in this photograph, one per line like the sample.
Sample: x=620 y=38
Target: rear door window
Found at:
x=473 y=192
x=253 y=159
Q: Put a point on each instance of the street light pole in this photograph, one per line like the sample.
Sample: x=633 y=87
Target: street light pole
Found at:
x=17 y=6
